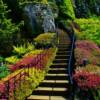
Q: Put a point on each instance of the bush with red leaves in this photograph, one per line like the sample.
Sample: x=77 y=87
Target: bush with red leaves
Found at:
x=86 y=80
x=2 y=87
x=87 y=50
x=39 y=61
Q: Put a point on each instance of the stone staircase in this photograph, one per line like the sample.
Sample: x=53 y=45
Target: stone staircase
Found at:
x=56 y=85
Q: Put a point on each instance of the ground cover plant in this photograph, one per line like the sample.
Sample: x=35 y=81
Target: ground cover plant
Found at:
x=89 y=29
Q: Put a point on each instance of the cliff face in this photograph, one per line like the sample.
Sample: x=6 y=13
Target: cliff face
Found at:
x=38 y=18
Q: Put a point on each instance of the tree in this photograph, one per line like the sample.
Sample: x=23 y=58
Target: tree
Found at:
x=66 y=10
x=8 y=30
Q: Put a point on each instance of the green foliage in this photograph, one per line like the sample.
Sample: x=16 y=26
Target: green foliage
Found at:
x=36 y=1
x=90 y=29
x=8 y=30
x=44 y=38
x=87 y=8
x=96 y=94
x=66 y=9
x=1 y=59
x=30 y=46
x=4 y=71
x=12 y=59
x=22 y=49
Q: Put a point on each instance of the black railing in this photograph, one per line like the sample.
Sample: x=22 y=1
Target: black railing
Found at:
x=71 y=59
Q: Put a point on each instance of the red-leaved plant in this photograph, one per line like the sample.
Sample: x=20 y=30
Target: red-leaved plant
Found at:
x=87 y=50
x=86 y=80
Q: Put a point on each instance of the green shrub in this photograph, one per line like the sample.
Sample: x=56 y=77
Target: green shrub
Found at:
x=8 y=30
x=66 y=9
x=90 y=29
x=4 y=71
x=23 y=49
x=1 y=59
x=45 y=39
x=12 y=59
x=20 y=50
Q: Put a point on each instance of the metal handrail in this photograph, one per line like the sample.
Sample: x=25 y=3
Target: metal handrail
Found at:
x=70 y=69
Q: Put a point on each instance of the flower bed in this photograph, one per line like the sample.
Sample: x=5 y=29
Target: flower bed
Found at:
x=87 y=50
x=45 y=40
x=90 y=29
x=38 y=60
x=88 y=81
x=26 y=76
x=87 y=55
x=27 y=67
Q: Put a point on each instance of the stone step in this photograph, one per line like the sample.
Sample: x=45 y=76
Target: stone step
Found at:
x=62 y=56
x=56 y=77
x=62 y=65
x=57 y=98
x=56 y=81
x=63 y=46
x=41 y=97
x=38 y=97
x=68 y=43
x=50 y=91
x=63 y=52
x=61 y=61
x=57 y=74
x=63 y=49
x=57 y=71
x=51 y=83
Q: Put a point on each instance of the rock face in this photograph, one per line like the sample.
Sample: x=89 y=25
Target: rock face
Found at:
x=39 y=18
x=48 y=24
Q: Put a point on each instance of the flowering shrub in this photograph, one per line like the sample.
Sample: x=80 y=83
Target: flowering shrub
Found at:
x=2 y=88
x=91 y=69
x=25 y=62
x=86 y=80
x=87 y=50
x=44 y=38
x=87 y=45
x=38 y=60
x=22 y=82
